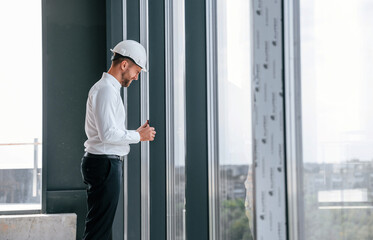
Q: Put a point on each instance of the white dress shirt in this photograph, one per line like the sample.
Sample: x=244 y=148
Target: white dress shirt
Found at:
x=105 y=119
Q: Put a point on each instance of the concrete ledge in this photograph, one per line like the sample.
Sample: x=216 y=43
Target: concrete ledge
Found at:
x=38 y=227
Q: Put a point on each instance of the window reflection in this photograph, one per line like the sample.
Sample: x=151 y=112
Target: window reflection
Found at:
x=337 y=132
x=234 y=123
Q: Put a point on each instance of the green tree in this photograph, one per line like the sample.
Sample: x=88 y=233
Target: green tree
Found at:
x=235 y=224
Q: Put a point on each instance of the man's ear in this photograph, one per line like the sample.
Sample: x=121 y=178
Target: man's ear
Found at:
x=124 y=65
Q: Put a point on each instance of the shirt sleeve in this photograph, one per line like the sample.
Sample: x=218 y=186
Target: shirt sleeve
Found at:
x=104 y=104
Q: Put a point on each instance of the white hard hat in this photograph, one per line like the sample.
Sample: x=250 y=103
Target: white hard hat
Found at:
x=133 y=50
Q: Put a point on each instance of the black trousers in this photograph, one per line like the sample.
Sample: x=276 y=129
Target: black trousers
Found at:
x=103 y=176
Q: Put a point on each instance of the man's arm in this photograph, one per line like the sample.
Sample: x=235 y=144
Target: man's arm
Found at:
x=103 y=106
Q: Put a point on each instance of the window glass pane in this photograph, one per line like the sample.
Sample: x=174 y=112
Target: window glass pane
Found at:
x=21 y=105
x=234 y=123
x=336 y=63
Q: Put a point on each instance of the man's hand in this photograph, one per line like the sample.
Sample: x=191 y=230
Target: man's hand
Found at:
x=146 y=132
x=142 y=126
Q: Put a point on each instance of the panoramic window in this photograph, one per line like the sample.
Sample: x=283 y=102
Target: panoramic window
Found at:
x=21 y=105
x=336 y=64
x=234 y=120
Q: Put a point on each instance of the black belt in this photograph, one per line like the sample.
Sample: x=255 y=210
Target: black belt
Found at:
x=87 y=154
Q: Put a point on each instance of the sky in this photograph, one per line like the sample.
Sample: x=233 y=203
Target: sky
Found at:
x=20 y=81
x=234 y=82
x=336 y=65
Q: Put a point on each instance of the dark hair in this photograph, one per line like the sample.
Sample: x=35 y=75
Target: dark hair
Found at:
x=117 y=58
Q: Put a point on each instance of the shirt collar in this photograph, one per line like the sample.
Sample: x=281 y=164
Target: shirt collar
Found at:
x=112 y=80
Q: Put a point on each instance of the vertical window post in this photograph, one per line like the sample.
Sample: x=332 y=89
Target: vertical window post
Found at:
x=145 y=152
x=175 y=118
x=268 y=121
x=293 y=119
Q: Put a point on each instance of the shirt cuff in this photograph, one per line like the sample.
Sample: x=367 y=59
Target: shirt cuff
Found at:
x=134 y=136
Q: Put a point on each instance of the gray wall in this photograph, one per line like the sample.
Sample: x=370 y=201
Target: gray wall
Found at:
x=157 y=114
x=74 y=57
x=197 y=207
x=133 y=111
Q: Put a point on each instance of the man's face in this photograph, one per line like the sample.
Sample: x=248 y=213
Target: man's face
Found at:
x=130 y=73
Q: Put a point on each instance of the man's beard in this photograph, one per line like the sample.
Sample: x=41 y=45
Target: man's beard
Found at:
x=125 y=82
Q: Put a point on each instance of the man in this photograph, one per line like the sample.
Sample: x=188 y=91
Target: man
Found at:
x=108 y=139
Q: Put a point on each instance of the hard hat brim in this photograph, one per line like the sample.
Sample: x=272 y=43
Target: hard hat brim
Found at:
x=142 y=68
